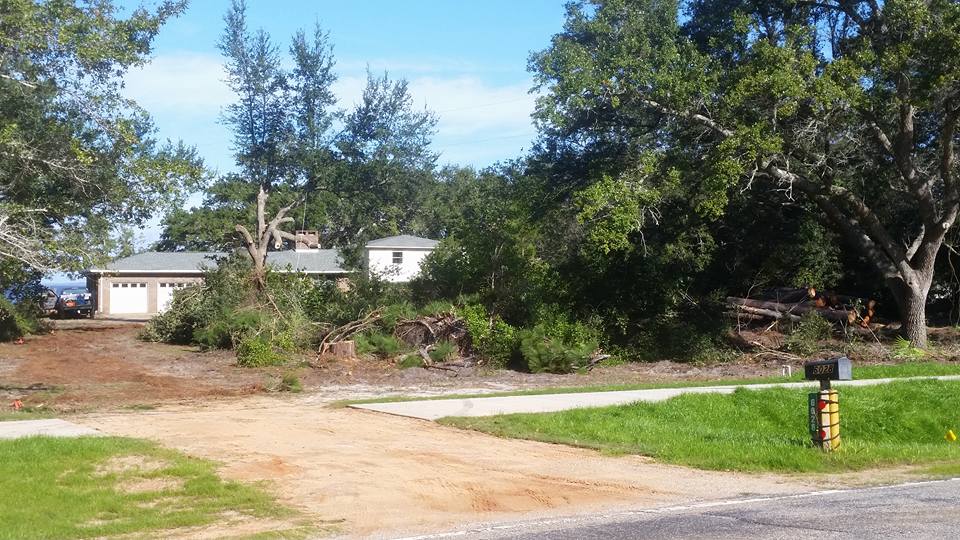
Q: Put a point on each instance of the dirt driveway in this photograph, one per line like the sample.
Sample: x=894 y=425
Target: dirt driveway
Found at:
x=383 y=475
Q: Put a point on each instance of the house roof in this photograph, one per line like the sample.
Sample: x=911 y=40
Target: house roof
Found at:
x=403 y=241
x=320 y=261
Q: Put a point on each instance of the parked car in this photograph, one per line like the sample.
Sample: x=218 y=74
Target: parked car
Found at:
x=75 y=302
x=48 y=302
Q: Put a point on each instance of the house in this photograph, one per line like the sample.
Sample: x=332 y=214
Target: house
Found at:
x=142 y=285
x=398 y=258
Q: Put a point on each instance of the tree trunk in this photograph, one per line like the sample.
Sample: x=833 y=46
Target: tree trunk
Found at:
x=912 y=303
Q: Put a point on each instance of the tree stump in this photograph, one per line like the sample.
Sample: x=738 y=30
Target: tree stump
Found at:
x=340 y=349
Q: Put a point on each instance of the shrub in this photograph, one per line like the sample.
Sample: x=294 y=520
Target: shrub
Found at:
x=257 y=351
x=15 y=322
x=543 y=353
x=289 y=382
x=378 y=344
x=442 y=351
x=396 y=312
x=808 y=333
x=411 y=360
x=491 y=337
x=230 y=327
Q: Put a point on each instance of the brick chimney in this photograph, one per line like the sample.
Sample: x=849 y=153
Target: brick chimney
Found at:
x=308 y=240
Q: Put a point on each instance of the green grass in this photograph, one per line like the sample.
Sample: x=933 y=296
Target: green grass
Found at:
x=758 y=430
x=879 y=371
x=77 y=488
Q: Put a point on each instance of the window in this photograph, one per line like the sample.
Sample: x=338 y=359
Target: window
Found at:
x=397 y=257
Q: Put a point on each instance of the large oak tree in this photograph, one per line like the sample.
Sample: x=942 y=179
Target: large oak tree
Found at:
x=849 y=105
x=78 y=161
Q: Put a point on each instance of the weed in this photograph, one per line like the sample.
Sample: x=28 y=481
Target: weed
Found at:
x=903 y=350
x=258 y=351
x=289 y=382
x=443 y=351
x=808 y=333
x=378 y=344
x=411 y=360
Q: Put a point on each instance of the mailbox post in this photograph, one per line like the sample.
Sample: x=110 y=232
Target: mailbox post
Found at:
x=824 y=406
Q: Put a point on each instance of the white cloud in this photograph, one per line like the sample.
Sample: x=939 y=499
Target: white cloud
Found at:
x=180 y=83
x=478 y=122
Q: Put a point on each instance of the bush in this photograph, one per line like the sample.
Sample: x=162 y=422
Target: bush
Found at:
x=258 y=351
x=491 y=337
x=378 y=344
x=547 y=354
x=808 y=333
x=442 y=351
x=410 y=361
x=15 y=322
x=290 y=383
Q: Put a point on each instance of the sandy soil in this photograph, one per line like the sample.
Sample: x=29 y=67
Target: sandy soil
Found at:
x=383 y=475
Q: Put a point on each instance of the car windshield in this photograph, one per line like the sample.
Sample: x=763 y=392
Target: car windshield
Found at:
x=74 y=291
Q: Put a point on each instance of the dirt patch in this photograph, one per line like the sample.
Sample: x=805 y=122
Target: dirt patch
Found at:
x=381 y=473
x=146 y=485
x=105 y=365
x=130 y=465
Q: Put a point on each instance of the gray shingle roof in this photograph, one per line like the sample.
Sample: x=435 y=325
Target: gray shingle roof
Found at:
x=155 y=261
x=403 y=241
x=326 y=261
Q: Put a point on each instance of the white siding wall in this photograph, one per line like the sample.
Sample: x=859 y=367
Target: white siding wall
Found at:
x=380 y=262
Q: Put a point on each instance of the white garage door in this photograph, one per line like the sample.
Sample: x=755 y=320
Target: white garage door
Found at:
x=165 y=294
x=128 y=298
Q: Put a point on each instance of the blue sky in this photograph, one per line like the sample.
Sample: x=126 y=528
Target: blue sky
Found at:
x=464 y=60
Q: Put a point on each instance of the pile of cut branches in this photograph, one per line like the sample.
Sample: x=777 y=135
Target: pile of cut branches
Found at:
x=428 y=330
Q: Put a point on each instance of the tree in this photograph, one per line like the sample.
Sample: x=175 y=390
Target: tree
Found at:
x=282 y=124
x=77 y=160
x=267 y=232
x=850 y=105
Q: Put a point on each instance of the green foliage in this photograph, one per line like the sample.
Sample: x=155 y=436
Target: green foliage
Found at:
x=903 y=350
x=492 y=338
x=290 y=382
x=395 y=312
x=545 y=354
x=79 y=161
x=410 y=361
x=258 y=351
x=556 y=344
x=808 y=333
x=443 y=351
x=378 y=344
x=16 y=321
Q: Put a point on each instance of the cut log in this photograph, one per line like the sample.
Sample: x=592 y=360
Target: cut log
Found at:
x=769 y=313
x=798 y=308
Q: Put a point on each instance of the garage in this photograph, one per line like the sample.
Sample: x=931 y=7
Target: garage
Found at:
x=128 y=298
x=165 y=294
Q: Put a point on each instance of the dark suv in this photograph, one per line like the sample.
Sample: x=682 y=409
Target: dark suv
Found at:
x=75 y=302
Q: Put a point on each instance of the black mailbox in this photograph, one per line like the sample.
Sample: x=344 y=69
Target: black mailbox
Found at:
x=834 y=369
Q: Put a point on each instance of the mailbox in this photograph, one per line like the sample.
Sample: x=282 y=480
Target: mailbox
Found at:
x=834 y=369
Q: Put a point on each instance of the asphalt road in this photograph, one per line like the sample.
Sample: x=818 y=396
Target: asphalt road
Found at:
x=916 y=510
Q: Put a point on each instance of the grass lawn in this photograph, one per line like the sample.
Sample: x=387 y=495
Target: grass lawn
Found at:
x=759 y=430
x=878 y=371
x=104 y=486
